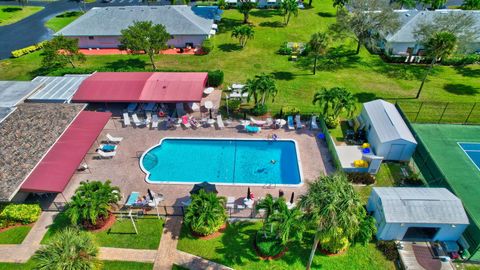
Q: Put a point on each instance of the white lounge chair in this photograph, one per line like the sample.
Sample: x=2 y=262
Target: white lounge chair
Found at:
x=257 y=122
x=106 y=154
x=230 y=202
x=313 y=123
x=126 y=119
x=112 y=139
x=220 y=122
x=298 y=122
x=208 y=90
x=148 y=120
x=154 y=121
x=137 y=121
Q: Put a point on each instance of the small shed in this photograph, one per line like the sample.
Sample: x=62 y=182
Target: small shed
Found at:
x=386 y=130
x=417 y=214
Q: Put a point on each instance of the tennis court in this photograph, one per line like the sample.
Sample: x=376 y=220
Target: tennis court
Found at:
x=449 y=156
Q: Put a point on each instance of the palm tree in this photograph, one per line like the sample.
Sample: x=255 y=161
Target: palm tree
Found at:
x=289 y=7
x=318 y=45
x=206 y=213
x=268 y=204
x=290 y=221
x=438 y=46
x=70 y=249
x=245 y=7
x=332 y=203
x=91 y=201
x=243 y=33
x=251 y=90
x=334 y=101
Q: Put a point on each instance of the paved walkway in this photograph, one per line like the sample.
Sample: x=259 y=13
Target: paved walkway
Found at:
x=193 y=262
x=124 y=254
x=166 y=254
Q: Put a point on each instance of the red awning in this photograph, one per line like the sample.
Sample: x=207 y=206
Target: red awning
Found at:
x=54 y=171
x=165 y=87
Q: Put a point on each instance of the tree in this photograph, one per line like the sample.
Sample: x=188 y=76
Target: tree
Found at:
x=92 y=201
x=424 y=3
x=206 y=213
x=145 y=36
x=333 y=205
x=289 y=8
x=339 y=4
x=471 y=4
x=334 y=101
x=61 y=51
x=289 y=222
x=70 y=249
x=440 y=45
x=436 y=4
x=244 y=7
x=222 y=4
x=368 y=20
x=268 y=204
x=406 y=3
x=318 y=45
x=366 y=228
x=243 y=33
x=261 y=88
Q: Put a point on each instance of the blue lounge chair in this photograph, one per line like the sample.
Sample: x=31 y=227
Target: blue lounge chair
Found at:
x=252 y=129
x=132 y=199
x=290 y=122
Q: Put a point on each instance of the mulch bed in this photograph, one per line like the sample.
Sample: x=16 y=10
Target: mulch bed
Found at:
x=103 y=224
x=15 y=226
x=327 y=253
x=211 y=236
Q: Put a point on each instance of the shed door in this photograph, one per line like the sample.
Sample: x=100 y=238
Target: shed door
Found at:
x=396 y=151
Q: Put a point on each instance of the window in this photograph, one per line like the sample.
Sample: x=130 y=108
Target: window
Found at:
x=91 y=38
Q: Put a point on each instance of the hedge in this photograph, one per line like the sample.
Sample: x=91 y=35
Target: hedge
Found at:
x=23 y=213
x=207 y=46
x=215 y=78
x=27 y=50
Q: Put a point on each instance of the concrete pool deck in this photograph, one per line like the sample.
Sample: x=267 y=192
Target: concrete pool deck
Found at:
x=124 y=169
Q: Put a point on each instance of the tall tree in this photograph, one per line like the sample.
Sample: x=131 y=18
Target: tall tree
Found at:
x=471 y=4
x=61 y=51
x=145 y=36
x=334 y=101
x=289 y=8
x=70 y=249
x=333 y=205
x=243 y=33
x=406 y=3
x=318 y=45
x=244 y=7
x=436 y=4
x=261 y=88
x=440 y=45
x=368 y=20
x=206 y=213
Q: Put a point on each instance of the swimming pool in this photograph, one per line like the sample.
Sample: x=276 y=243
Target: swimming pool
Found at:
x=222 y=161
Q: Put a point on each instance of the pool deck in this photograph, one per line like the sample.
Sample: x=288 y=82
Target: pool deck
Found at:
x=124 y=169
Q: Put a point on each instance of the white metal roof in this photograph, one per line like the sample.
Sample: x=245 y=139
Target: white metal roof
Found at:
x=387 y=121
x=14 y=92
x=57 y=89
x=421 y=205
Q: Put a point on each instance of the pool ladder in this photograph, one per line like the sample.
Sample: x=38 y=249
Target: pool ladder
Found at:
x=270 y=185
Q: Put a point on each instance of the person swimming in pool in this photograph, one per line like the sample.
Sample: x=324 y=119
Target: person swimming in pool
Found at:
x=273 y=161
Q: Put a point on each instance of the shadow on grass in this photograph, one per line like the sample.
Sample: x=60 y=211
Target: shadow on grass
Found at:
x=69 y=14
x=227 y=24
x=229 y=47
x=237 y=243
x=461 y=89
x=274 y=24
x=363 y=97
x=265 y=13
x=60 y=222
x=283 y=75
x=123 y=64
x=11 y=9
x=468 y=71
x=336 y=58
x=326 y=14
x=401 y=71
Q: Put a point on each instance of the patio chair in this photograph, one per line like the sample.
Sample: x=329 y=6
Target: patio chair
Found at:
x=298 y=122
x=220 y=122
x=112 y=139
x=257 y=122
x=194 y=122
x=126 y=119
x=313 y=123
x=132 y=199
x=137 y=121
x=154 y=198
x=149 y=107
x=290 y=122
x=230 y=202
x=155 y=121
x=185 y=121
x=253 y=129
x=107 y=148
x=269 y=122
x=106 y=154
x=208 y=90
x=148 y=120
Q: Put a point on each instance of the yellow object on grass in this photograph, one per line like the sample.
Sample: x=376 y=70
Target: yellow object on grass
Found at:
x=360 y=164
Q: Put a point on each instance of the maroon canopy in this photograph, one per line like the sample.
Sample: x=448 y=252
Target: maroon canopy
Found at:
x=160 y=87
x=54 y=171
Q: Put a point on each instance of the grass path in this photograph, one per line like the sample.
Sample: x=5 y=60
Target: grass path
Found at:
x=13 y=14
x=60 y=21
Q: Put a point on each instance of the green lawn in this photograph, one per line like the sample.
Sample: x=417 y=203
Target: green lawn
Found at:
x=121 y=234
x=14 y=235
x=234 y=248
x=58 y=22
x=13 y=14
x=389 y=175
x=107 y=265
x=366 y=75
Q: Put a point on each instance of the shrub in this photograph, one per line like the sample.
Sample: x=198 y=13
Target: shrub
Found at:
x=206 y=213
x=215 y=78
x=259 y=109
x=27 y=50
x=268 y=247
x=461 y=60
x=335 y=244
x=360 y=178
x=413 y=180
x=331 y=122
x=389 y=249
x=284 y=49
x=234 y=104
x=23 y=213
x=289 y=110
x=207 y=46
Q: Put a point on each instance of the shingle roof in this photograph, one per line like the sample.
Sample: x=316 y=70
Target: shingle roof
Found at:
x=56 y=89
x=26 y=135
x=411 y=19
x=109 y=21
x=421 y=205
x=387 y=121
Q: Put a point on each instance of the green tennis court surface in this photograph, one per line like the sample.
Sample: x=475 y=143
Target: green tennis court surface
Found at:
x=448 y=155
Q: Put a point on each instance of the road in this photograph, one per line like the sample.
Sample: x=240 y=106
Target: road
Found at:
x=32 y=29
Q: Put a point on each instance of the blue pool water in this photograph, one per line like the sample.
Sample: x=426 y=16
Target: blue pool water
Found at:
x=223 y=162
x=473 y=152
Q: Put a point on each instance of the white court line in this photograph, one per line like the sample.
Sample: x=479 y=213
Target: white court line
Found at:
x=469 y=157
